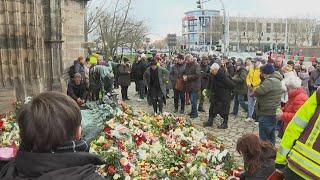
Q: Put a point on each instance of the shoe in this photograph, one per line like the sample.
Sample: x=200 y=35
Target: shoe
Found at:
x=256 y=123
x=175 y=110
x=139 y=100
x=193 y=116
x=207 y=124
x=248 y=120
x=223 y=126
x=189 y=114
x=127 y=99
x=200 y=109
x=182 y=111
x=167 y=97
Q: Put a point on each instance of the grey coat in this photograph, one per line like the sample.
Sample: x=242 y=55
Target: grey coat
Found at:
x=163 y=75
x=193 y=73
x=269 y=95
x=176 y=72
x=124 y=75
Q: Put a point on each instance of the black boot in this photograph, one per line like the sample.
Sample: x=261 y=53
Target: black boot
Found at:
x=175 y=110
x=208 y=123
x=200 y=109
x=224 y=125
x=181 y=111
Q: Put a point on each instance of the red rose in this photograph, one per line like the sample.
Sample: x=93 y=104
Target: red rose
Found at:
x=105 y=146
x=111 y=169
x=127 y=168
x=179 y=152
x=1 y=124
x=107 y=130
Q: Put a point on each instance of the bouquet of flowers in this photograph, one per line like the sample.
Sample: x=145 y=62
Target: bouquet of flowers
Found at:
x=9 y=136
x=141 y=146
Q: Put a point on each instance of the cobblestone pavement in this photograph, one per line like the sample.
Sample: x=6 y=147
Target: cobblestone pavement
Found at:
x=237 y=126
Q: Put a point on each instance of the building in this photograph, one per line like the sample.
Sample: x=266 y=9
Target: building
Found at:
x=39 y=39
x=251 y=33
x=195 y=27
x=203 y=29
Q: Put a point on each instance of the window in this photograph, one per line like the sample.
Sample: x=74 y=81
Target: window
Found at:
x=259 y=27
x=277 y=27
x=268 y=38
x=233 y=26
x=268 y=29
x=251 y=26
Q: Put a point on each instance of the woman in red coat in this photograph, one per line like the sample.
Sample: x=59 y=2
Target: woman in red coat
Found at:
x=297 y=97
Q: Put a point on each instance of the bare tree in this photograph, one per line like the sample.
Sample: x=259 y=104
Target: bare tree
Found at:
x=93 y=14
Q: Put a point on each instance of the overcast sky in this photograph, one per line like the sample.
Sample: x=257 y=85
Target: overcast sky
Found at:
x=164 y=16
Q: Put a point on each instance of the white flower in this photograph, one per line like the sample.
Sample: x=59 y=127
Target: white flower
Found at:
x=142 y=154
x=222 y=155
x=116 y=176
x=193 y=169
x=128 y=178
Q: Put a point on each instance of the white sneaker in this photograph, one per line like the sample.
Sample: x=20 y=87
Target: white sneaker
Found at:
x=248 y=120
x=139 y=100
x=256 y=123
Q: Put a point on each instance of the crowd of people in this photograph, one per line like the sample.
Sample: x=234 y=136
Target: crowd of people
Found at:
x=270 y=92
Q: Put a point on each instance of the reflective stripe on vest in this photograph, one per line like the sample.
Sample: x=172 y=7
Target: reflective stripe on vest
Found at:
x=302 y=156
x=310 y=153
x=304 y=165
x=314 y=134
x=283 y=151
x=301 y=123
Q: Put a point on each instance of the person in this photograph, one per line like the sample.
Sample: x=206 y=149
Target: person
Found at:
x=87 y=72
x=288 y=73
x=315 y=78
x=297 y=97
x=268 y=95
x=124 y=79
x=51 y=145
x=220 y=86
x=205 y=74
x=177 y=83
x=258 y=157
x=156 y=78
x=138 y=69
x=96 y=82
x=253 y=80
x=191 y=77
x=304 y=76
x=77 y=89
x=278 y=64
x=241 y=87
x=299 y=152
x=79 y=67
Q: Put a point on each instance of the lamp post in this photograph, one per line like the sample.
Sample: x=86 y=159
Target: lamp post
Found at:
x=225 y=43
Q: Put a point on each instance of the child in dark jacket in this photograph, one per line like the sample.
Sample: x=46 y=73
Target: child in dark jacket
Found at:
x=258 y=157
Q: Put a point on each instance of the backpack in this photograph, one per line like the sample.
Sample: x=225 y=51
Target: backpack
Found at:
x=71 y=71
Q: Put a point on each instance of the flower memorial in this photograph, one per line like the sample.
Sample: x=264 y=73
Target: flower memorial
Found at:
x=140 y=146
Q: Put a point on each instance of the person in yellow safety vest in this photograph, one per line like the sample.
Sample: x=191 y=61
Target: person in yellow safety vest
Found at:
x=298 y=156
x=94 y=59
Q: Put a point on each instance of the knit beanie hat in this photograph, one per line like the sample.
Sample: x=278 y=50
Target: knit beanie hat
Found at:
x=267 y=69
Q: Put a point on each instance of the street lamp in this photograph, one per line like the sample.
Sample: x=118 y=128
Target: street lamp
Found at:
x=225 y=49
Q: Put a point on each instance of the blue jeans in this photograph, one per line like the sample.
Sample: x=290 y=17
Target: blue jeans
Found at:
x=267 y=128
x=179 y=96
x=194 y=102
x=251 y=104
x=239 y=99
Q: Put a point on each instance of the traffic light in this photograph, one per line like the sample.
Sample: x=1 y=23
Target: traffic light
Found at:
x=199 y=4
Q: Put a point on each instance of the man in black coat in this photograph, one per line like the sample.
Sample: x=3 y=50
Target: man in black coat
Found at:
x=205 y=74
x=138 y=69
x=220 y=86
x=77 y=89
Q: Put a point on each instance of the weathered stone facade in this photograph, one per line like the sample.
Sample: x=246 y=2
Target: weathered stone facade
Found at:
x=38 y=41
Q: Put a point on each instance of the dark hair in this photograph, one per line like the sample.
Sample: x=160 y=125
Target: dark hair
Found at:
x=48 y=121
x=255 y=152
